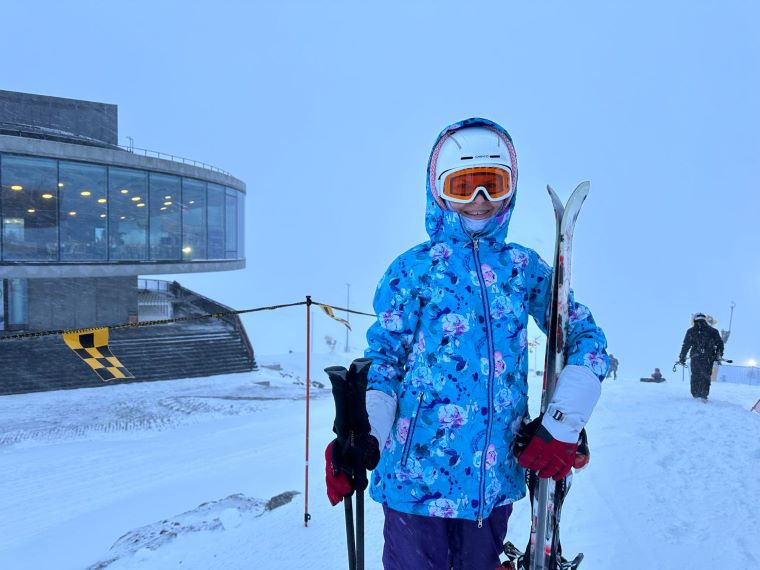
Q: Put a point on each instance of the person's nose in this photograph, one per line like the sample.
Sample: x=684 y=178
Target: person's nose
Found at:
x=480 y=198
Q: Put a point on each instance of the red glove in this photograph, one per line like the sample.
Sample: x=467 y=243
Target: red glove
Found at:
x=338 y=485
x=547 y=456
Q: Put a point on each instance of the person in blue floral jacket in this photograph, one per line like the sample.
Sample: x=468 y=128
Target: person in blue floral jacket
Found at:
x=447 y=390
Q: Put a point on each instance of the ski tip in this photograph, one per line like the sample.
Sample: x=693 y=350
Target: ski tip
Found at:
x=559 y=207
x=581 y=190
x=580 y=194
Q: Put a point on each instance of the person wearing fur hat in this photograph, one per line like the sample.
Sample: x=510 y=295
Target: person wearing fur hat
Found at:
x=706 y=347
x=448 y=384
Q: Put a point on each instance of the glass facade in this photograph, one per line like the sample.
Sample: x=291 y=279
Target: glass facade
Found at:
x=83 y=211
x=165 y=204
x=193 y=219
x=231 y=228
x=216 y=214
x=128 y=216
x=29 y=204
x=65 y=211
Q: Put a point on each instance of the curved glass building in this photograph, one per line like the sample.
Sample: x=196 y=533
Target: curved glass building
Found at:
x=111 y=209
x=81 y=217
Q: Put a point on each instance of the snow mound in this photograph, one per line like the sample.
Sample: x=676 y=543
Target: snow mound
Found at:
x=213 y=516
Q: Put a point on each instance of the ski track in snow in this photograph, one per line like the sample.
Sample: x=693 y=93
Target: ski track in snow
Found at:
x=671 y=485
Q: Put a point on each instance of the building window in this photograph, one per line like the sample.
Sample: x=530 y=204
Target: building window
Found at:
x=241 y=226
x=216 y=201
x=18 y=306
x=2 y=304
x=193 y=219
x=83 y=211
x=128 y=213
x=29 y=202
x=231 y=229
x=165 y=205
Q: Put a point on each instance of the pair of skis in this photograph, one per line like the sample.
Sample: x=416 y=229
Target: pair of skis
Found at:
x=544 y=551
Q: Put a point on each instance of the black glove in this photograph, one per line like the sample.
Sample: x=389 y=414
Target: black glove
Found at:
x=346 y=465
x=365 y=453
x=354 y=451
x=682 y=361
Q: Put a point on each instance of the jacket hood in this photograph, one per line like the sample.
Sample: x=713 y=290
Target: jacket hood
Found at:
x=444 y=224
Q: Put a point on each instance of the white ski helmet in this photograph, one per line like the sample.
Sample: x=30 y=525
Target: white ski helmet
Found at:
x=469 y=147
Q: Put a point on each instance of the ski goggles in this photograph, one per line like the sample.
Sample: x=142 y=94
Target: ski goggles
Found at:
x=463 y=185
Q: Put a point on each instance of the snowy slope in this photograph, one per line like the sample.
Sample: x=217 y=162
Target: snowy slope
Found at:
x=179 y=474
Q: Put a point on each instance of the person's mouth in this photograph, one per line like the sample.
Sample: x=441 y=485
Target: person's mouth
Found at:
x=478 y=213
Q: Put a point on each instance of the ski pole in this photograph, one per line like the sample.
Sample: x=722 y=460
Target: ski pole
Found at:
x=359 y=530
x=350 y=539
x=357 y=377
x=338 y=376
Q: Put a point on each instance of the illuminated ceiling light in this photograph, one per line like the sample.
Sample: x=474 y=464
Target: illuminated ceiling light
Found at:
x=192 y=202
x=167 y=203
x=17 y=187
x=141 y=205
x=162 y=208
x=101 y=200
x=85 y=193
x=752 y=362
x=187 y=249
x=167 y=197
x=72 y=213
x=122 y=217
x=47 y=196
x=102 y=215
x=60 y=185
x=124 y=191
x=136 y=198
x=31 y=210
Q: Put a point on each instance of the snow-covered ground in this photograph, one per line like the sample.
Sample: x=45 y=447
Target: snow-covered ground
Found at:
x=199 y=474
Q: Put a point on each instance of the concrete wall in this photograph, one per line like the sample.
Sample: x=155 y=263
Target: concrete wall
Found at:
x=78 y=303
x=98 y=121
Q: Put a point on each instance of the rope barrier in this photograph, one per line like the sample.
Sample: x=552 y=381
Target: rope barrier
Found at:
x=174 y=320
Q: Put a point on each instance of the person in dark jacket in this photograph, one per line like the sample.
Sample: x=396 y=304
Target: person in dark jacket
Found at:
x=706 y=347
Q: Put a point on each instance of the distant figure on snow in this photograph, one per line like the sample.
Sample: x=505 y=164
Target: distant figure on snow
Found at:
x=655 y=377
x=613 y=367
x=706 y=347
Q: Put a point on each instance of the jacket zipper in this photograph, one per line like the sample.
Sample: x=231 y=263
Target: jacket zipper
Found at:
x=489 y=386
x=410 y=433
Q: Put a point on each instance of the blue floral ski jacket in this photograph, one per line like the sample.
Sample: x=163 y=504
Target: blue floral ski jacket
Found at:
x=450 y=344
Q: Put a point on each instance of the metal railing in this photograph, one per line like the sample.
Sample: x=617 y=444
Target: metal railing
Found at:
x=157 y=285
x=173 y=158
x=210 y=306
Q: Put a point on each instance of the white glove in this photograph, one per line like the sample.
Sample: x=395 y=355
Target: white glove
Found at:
x=577 y=392
x=381 y=409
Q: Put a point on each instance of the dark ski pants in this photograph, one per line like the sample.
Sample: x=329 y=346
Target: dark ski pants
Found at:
x=701 y=369
x=414 y=542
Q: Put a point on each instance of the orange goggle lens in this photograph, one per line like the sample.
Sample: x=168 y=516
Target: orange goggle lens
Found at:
x=463 y=185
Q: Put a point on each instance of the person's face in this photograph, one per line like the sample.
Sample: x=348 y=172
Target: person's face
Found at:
x=479 y=209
